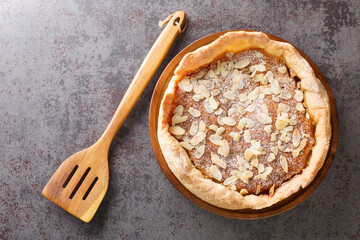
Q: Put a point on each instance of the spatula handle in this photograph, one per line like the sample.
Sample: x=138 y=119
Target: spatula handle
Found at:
x=146 y=71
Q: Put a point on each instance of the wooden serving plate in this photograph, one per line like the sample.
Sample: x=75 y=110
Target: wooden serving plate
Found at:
x=280 y=207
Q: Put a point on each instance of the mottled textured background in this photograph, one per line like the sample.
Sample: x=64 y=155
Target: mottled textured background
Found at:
x=64 y=67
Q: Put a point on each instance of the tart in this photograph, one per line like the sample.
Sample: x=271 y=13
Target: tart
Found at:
x=244 y=122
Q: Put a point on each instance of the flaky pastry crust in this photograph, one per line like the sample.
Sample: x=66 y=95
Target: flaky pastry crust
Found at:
x=315 y=100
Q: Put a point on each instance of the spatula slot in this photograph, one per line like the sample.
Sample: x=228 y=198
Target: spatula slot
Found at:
x=90 y=188
x=70 y=176
x=79 y=183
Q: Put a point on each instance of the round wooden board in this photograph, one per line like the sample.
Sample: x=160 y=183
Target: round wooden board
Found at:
x=280 y=207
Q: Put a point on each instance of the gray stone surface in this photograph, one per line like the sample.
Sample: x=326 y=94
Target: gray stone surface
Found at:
x=64 y=67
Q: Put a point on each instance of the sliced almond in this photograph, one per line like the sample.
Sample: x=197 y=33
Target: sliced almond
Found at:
x=266 y=91
x=216 y=140
x=300 y=107
x=204 y=91
x=259 y=55
x=220 y=131
x=255 y=162
x=275 y=150
x=265 y=109
x=257 y=189
x=194 y=128
x=213 y=127
x=296 y=138
x=268 y=128
x=271 y=157
x=282 y=69
x=194 y=112
x=229 y=121
x=185 y=85
x=283 y=107
x=243 y=97
x=179 y=110
x=265 y=173
x=200 y=151
x=244 y=192
x=176 y=130
x=178 y=119
x=207 y=106
x=197 y=97
x=275 y=87
x=198 y=138
x=200 y=74
x=254 y=94
x=186 y=145
x=229 y=95
x=301 y=146
x=282 y=123
x=241 y=110
x=213 y=103
x=250 y=108
x=215 y=92
x=242 y=63
x=216 y=160
x=268 y=78
x=298 y=95
x=273 y=137
x=247 y=136
x=230 y=180
x=223 y=69
x=246 y=175
x=202 y=126
x=215 y=173
x=263 y=118
x=285 y=94
x=235 y=136
x=224 y=149
x=258 y=68
x=231 y=111
x=284 y=163
x=271 y=191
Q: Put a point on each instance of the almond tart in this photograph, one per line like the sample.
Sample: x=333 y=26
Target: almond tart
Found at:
x=244 y=122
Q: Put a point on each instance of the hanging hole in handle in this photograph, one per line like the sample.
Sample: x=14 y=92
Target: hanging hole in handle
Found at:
x=176 y=21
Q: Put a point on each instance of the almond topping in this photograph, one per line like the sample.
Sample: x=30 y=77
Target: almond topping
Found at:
x=275 y=87
x=185 y=85
x=283 y=107
x=224 y=149
x=216 y=140
x=213 y=103
x=247 y=136
x=178 y=119
x=197 y=97
x=186 y=145
x=282 y=69
x=263 y=118
x=235 y=136
x=253 y=95
x=215 y=92
x=298 y=95
x=244 y=192
x=179 y=110
x=245 y=176
x=198 y=138
x=242 y=63
x=213 y=127
x=194 y=128
x=285 y=94
x=200 y=151
x=230 y=181
x=216 y=159
x=215 y=173
x=194 y=112
x=284 y=163
x=271 y=191
x=267 y=128
x=176 y=130
x=243 y=97
x=207 y=106
x=281 y=123
x=204 y=91
x=250 y=108
x=229 y=95
x=258 y=68
x=229 y=121
x=259 y=55
x=296 y=138
x=257 y=189
x=220 y=131
x=264 y=175
x=300 y=107
x=271 y=157
x=297 y=151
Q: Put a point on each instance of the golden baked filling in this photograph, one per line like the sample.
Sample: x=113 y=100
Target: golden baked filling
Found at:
x=242 y=121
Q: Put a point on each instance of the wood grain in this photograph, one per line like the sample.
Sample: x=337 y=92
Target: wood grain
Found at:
x=280 y=207
x=90 y=166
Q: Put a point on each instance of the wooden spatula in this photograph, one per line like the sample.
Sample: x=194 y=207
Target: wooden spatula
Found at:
x=80 y=183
